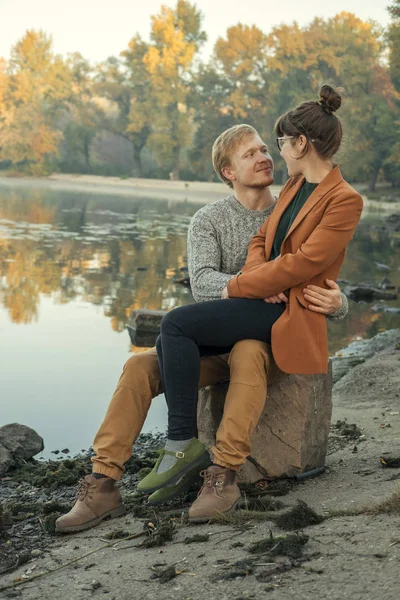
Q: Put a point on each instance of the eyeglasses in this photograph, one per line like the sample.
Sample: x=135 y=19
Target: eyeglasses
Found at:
x=281 y=140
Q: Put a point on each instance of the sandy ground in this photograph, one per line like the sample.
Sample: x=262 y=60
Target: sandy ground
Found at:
x=197 y=192
x=355 y=557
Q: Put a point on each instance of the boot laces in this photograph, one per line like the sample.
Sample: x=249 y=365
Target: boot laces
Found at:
x=84 y=489
x=213 y=479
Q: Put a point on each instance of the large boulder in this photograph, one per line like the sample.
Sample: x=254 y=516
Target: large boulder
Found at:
x=292 y=434
x=361 y=350
x=21 y=441
x=6 y=460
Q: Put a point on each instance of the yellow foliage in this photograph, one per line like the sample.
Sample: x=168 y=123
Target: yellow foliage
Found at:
x=32 y=86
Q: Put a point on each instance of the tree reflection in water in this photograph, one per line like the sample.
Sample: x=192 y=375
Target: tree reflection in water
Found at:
x=123 y=254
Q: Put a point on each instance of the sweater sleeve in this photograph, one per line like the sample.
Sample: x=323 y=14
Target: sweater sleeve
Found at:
x=204 y=259
x=314 y=256
x=342 y=312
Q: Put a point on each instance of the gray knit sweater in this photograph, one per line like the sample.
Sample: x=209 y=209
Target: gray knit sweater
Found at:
x=218 y=239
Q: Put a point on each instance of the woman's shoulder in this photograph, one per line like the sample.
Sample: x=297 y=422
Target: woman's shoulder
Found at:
x=346 y=190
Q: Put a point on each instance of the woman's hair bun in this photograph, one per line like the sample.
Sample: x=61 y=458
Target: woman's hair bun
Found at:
x=330 y=99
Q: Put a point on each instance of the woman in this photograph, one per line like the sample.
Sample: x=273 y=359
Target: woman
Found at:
x=303 y=242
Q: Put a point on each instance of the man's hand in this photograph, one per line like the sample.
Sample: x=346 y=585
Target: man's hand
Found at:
x=321 y=300
x=278 y=299
x=224 y=293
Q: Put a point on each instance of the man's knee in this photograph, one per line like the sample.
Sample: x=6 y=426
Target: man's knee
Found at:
x=248 y=355
x=141 y=368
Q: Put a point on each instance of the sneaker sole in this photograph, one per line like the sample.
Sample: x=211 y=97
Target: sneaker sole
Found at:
x=206 y=519
x=190 y=480
x=204 y=461
x=117 y=512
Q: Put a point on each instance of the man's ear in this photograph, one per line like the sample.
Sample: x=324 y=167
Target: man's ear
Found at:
x=228 y=173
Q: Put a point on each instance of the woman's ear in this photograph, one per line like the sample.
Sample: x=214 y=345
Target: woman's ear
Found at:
x=302 y=141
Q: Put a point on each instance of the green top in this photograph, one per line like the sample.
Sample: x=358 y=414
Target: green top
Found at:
x=289 y=216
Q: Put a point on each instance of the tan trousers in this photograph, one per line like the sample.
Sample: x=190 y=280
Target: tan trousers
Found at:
x=247 y=369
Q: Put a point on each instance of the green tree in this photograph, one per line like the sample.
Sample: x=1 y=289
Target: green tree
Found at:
x=125 y=83
x=393 y=36
x=231 y=89
x=210 y=101
x=85 y=115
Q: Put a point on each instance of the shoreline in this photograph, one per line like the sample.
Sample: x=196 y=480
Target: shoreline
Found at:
x=195 y=192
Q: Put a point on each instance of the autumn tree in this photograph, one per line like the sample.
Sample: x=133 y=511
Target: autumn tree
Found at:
x=176 y=37
x=347 y=52
x=37 y=84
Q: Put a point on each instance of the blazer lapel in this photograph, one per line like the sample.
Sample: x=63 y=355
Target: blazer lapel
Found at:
x=281 y=205
x=329 y=182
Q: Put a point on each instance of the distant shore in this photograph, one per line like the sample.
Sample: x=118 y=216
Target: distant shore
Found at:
x=160 y=189
x=196 y=192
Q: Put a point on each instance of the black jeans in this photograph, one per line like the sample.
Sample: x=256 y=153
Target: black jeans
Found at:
x=204 y=329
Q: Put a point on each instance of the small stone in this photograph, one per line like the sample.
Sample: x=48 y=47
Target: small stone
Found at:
x=36 y=552
x=96 y=585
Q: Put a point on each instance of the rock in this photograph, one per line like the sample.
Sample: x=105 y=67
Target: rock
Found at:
x=370 y=384
x=366 y=292
x=358 y=352
x=394 y=310
x=144 y=326
x=21 y=441
x=183 y=281
x=6 y=460
x=292 y=434
x=381 y=266
x=36 y=552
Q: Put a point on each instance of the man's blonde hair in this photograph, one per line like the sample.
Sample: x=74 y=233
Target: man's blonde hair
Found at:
x=226 y=144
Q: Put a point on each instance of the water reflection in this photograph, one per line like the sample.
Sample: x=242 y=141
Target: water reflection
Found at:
x=70 y=247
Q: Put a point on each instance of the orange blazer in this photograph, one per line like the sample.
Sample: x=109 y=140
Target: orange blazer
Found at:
x=312 y=251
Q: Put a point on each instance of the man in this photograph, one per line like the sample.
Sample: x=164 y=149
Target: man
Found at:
x=218 y=238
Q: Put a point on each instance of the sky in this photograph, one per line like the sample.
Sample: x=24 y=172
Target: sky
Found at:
x=100 y=28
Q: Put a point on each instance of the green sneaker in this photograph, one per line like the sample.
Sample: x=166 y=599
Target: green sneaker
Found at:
x=166 y=494
x=195 y=455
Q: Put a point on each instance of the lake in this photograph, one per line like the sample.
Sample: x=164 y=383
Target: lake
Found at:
x=72 y=268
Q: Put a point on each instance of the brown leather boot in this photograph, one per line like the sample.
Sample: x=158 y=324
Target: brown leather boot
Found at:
x=96 y=499
x=219 y=495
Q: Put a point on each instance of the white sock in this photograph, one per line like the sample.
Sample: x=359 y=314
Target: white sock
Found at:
x=169 y=461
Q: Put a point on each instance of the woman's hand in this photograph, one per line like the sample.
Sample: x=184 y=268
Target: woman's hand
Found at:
x=323 y=301
x=278 y=299
x=224 y=293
